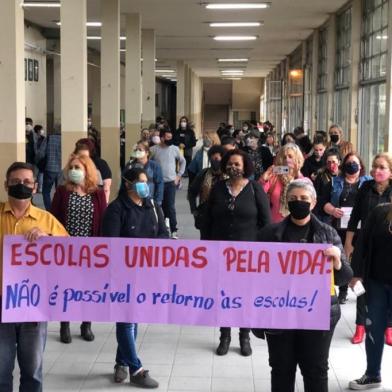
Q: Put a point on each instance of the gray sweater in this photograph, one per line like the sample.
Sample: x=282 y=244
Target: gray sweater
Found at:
x=168 y=157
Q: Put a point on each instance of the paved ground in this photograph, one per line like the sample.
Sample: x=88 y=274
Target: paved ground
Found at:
x=182 y=358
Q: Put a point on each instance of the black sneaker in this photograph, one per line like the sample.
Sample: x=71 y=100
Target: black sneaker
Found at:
x=365 y=382
x=143 y=380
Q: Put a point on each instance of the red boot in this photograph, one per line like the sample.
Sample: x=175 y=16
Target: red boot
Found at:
x=359 y=335
x=388 y=336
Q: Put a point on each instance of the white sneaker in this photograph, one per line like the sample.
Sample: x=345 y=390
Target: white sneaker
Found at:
x=174 y=235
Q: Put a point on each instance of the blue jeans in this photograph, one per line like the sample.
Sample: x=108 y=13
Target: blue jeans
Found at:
x=126 y=334
x=379 y=304
x=169 y=204
x=26 y=342
x=50 y=179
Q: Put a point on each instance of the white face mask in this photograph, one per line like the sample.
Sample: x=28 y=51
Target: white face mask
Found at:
x=138 y=154
x=156 y=139
x=89 y=123
x=29 y=127
x=76 y=176
x=244 y=128
x=183 y=124
x=42 y=132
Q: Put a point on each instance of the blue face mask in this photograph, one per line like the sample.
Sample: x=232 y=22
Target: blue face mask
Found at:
x=142 y=189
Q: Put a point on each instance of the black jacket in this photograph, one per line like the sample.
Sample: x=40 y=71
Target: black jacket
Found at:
x=184 y=136
x=239 y=220
x=262 y=159
x=322 y=233
x=367 y=199
x=123 y=218
x=311 y=166
x=363 y=251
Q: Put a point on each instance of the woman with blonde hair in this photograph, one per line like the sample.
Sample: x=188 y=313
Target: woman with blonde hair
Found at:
x=79 y=205
x=287 y=167
x=200 y=160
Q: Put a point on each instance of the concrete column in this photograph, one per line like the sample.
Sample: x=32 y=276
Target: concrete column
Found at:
x=56 y=90
x=356 y=16
x=73 y=74
x=133 y=80
x=12 y=91
x=315 y=50
x=148 y=66
x=388 y=120
x=110 y=89
x=180 y=89
x=331 y=60
x=187 y=105
x=192 y=90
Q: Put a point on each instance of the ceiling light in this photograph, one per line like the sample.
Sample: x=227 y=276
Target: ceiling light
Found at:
x=235 y=38
x=233 y=60
x=41 y=4
x=168 y=76
x=235 y=24
x=123 y=50
x=231 y=78
x=164 y=71
x=88 y=24
x=237 y=6
x=94 y=37
x=381 y=37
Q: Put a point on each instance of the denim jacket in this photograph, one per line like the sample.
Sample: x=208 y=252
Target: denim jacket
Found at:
x=337 y=187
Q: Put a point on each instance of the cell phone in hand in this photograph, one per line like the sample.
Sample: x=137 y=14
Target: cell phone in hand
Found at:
x=280 y=170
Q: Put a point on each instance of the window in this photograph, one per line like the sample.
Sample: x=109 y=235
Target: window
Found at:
x=275 y=103
x=322 y=101
x=343 y=49
x=373 y=78
x=322 y=61
x=374 y=39
x=308 y=85
x=341 y=110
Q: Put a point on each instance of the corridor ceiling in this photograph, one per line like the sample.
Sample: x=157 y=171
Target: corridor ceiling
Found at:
x=183 y=31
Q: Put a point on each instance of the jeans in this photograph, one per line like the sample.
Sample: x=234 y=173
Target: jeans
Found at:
x=379 y=305
x=126 y=334
x=307 y=348
x=169 y=204
x=226 y=332
x=361 y=312
x=50 y=179
x=26 y=342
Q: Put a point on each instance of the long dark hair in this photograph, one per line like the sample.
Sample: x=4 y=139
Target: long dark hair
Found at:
x=130 y=175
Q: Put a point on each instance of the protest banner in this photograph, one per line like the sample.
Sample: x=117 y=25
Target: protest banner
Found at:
x=215 y=283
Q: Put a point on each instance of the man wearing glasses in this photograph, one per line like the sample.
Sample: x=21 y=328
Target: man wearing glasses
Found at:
x=26 y=341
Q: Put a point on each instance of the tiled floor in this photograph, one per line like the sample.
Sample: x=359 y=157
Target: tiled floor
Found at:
x=182 y=358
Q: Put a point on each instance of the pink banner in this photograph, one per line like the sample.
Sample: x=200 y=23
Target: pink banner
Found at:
x=216 y=283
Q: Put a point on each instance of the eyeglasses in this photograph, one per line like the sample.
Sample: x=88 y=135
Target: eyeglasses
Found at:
x=17 y=181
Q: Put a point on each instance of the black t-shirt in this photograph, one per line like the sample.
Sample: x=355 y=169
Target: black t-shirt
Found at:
x=348 y=195
x=295 y=233
x=103 y=168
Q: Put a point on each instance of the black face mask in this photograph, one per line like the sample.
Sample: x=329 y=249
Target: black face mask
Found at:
x=215 y=164
x=20 y=192
x=351 y=167
x=168 y=142
x=299 y=209
x=334 y=138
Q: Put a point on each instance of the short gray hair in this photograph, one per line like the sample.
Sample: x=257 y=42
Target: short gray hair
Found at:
x=303 y=183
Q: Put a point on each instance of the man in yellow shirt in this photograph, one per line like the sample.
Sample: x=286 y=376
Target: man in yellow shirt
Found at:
x=26 y=341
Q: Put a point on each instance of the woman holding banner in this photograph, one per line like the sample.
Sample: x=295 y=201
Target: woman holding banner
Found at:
x=309 y=349
x=79 y=205
x=133 y=215
x=237 y=209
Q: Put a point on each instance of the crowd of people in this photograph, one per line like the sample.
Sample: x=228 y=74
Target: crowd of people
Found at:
x=243 y=185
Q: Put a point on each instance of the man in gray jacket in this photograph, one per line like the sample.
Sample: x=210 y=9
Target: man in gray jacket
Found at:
x=173 y=166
